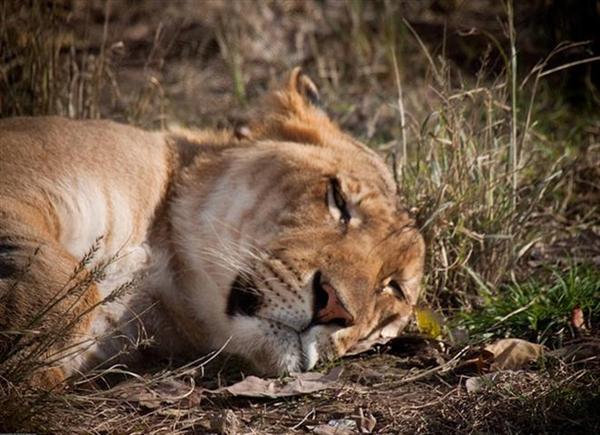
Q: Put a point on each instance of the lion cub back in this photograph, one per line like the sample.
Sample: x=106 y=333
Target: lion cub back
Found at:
x=77 y=181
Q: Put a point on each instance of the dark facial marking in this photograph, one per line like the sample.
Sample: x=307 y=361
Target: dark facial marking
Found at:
x=8 y=266
x=244 y=297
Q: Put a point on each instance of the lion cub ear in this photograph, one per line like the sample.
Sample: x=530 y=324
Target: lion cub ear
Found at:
x=301 y=84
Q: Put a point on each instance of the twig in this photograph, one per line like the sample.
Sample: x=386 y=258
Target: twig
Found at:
x=569 y=65
x=514 y=313
x=447 y=366
x=306 y=417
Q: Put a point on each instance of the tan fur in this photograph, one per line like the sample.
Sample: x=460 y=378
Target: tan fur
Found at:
x=188 y=213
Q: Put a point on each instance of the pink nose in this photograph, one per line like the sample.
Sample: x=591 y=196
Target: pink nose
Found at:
x=331 y=309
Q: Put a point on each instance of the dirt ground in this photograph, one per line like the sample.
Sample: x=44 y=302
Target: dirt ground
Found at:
x=399 y=388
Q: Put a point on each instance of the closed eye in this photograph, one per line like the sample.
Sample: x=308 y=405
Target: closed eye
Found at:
x=393 y=288
x=336 y=202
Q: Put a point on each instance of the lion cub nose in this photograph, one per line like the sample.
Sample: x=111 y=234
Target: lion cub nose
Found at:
x=328 y=306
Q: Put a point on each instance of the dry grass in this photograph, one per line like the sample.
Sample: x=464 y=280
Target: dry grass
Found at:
x=501 y=172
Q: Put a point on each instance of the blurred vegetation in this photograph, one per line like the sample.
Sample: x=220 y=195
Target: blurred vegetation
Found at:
x=538 y=311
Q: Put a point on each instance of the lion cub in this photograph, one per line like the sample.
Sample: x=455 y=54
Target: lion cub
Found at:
x=284 y=244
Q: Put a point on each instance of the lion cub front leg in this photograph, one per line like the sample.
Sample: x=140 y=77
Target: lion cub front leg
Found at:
x=47 y=302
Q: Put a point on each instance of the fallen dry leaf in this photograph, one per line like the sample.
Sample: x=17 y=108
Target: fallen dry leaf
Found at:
x=505 y=354
x=513 y=353
x=157 y=394
x=300 y=383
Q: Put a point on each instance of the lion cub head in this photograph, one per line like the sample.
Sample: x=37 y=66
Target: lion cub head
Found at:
x=294 y=242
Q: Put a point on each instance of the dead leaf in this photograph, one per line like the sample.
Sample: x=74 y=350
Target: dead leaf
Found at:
x=513 y=353
x=301 y=383
x=157 y=394
x=505 y=354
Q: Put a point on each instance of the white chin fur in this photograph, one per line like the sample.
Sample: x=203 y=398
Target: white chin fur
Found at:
x=310 y=349
x=316 y=344
x=270 y=354
x=288 y=352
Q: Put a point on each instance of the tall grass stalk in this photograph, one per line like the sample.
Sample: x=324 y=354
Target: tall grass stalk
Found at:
x=400 y=108
x=514 y=163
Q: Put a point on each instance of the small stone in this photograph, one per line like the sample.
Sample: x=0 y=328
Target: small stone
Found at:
x=478 y=383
